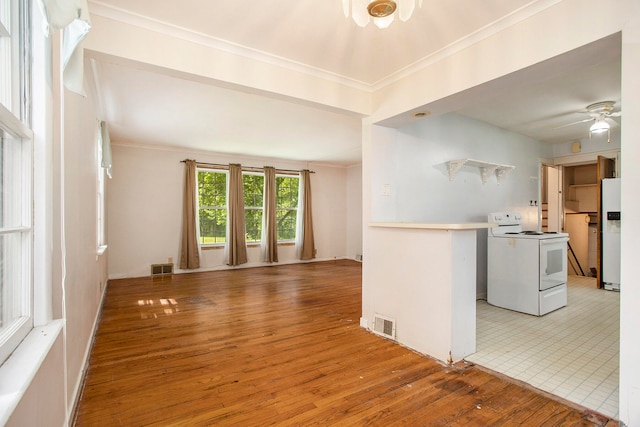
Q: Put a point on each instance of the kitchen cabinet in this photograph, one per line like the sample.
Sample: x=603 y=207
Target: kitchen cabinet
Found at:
x=581 y=188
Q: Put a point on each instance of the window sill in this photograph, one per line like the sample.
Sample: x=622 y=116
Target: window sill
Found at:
x=249 y=245
x=20 y=368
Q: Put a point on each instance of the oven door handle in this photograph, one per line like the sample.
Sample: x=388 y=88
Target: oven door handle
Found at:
x=552 y=242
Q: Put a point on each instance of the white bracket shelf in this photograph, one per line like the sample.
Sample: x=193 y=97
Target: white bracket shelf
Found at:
x=486 y=169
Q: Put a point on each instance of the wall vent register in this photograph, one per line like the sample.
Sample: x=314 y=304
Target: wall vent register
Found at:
x=384 y=326
x=161 y=269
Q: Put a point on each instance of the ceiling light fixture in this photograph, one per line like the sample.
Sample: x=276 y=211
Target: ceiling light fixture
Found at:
x=600 y=126
x=382 y=11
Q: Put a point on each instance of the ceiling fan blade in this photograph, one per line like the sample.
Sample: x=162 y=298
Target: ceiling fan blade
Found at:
x=616 y=114
x=574 y=123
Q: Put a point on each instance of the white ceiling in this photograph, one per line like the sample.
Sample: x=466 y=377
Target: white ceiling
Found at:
x=154 y=107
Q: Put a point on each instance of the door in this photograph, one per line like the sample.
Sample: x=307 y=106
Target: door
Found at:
x=606 y=169
x=553 y=198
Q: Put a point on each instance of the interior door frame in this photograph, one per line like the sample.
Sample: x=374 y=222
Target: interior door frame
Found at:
x=559 y=212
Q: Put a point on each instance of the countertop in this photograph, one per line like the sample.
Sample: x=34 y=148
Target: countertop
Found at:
x=435 y=226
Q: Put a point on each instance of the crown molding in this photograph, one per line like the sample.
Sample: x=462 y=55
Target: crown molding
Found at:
x=107 y=11
x=102 y=9
x=515 y=17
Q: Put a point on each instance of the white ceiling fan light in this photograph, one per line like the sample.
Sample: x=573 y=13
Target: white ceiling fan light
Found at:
x=599 y=126
x=600 y=111
x=382 y=11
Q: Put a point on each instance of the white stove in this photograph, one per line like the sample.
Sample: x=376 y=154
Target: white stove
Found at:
x=510 y=225
x=527 y=270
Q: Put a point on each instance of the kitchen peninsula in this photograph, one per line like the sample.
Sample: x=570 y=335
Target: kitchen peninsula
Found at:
x=429 y=290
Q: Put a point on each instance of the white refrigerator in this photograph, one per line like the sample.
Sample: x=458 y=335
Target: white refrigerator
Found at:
x=611 y=224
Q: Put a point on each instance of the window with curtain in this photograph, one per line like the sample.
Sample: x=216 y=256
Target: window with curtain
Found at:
x=212 y=206
x=212 y=197
x=16 y=180
x=287 y=206
x=253 y=184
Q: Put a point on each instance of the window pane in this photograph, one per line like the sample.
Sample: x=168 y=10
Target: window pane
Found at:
x=253 y=201
x=11 y=184
x=12 y=294
x=253 y=224
x=253 y=190
x=212 y=201
x=213 y=226
x=287 y=206
x=15 y=240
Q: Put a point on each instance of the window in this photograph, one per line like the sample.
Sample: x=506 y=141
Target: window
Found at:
x=16 y=199
x=287 y=206
x=253 y=185
x=212 y=206
x=212 y=201
x=100 y=211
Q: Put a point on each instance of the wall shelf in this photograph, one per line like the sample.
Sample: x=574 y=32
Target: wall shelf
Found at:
x=486 y=169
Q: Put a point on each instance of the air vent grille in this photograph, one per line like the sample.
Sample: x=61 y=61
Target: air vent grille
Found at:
x=161 y=269
x=384 y=326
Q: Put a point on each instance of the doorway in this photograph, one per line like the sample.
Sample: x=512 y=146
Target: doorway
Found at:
x=582 y=194
x=550 y=198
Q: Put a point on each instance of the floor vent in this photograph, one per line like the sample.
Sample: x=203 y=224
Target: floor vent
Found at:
x=384 y=326
x=161 y=269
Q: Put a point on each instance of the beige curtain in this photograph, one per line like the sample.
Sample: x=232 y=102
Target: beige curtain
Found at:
x=269 y=241
x=236 y=247
x=190 y=250
x=304 y=236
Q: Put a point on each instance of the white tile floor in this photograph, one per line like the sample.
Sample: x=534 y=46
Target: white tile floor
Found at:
x=572 y=352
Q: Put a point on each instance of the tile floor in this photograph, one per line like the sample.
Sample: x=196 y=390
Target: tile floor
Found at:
x=572 y=352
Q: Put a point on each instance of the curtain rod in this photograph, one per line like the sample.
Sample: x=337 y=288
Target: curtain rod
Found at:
x=244 y=168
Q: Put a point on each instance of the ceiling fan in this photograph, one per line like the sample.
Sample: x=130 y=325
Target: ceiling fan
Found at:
x=600 y=112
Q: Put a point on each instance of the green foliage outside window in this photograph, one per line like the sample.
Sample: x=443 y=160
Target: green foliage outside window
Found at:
x=253 y=198
x=286 y=206
x=212 y=202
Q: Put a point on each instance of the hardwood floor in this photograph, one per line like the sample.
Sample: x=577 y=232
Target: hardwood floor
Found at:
x=280 y=345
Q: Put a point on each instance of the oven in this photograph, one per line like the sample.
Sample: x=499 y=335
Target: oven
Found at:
x=553 y=262
x=526 y=270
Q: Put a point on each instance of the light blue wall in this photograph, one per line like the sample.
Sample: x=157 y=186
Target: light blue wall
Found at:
x=412 y=163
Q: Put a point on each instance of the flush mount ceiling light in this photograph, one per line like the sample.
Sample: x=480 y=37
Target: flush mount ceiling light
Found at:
x=383 y=12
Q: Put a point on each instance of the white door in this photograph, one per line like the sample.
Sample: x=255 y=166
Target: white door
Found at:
x=553 y=199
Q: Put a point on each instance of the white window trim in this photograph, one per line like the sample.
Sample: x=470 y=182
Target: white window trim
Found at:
x=226 y=172
x=101 y=237
x=297 y=208
x=248 y=243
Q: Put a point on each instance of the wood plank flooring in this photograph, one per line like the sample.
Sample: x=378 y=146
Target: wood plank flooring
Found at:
x=280 y=345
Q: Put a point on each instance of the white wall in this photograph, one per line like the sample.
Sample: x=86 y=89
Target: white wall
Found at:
x=556 y=30
x=85 y=271
x=630 y=239
x=596 y=144
x=145 y=210
x=412 y=162
x=354 y=211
